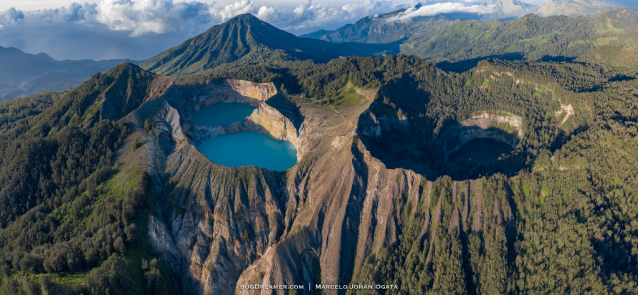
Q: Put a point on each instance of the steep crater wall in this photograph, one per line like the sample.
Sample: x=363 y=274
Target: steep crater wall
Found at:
x=373 y=126
x=212 y=221
x=400 y=142
x=503 y=127
x=264 y=119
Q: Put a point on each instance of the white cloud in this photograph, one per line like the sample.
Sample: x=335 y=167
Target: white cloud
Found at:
x=441 y=8
x=232 y=10
x=309 y=16
x=266 y=12
x=152 y=16
x=11 y=17
x=141 y=17
x=74 y=13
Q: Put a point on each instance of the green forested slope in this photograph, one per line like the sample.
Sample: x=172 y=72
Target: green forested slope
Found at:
x=531 y=37
x=574 y=208
x=377 y=29
x=573 y=230
x=62 y=208
x=247 y=40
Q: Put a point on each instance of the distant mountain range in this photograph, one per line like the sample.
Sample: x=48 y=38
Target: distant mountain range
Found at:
x=247 y=40
x=371 y=28
x=24 y=74
x=504 y=9
x=449 y=41
x=508 y=9
x=455 y=45
x=377 y=29
x=625 y=3
x=574 y=7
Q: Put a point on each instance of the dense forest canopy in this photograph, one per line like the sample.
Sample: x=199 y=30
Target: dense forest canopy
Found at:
x=61 y=210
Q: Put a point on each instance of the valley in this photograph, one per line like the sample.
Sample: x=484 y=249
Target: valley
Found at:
x=23 y=74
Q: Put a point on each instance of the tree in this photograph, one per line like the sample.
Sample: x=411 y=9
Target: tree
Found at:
x=449 y=275
x=112 y=278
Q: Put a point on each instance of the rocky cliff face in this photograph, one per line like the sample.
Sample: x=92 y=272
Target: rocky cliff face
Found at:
x=220 y=228
x=373 y=126
x=507 y=128
x=265 y=119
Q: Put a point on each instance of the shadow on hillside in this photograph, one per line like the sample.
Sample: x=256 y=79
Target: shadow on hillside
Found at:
x=399 y=155
x=509 y=163
x=621 y=78
x=507 y=19
x=287 y=108
x=388 y=48
x=548 y=58
x=468 y=64
x=600 y=86
x=562 y=137
x=404 y=150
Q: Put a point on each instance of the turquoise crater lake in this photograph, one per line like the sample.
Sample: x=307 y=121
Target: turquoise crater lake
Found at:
x=221 y=114
x=250 y=149
x=247 y=148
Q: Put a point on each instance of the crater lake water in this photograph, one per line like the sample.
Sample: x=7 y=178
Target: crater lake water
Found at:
x=250 y=149
x=221 y=113
x=243 y=148
x=480 y=150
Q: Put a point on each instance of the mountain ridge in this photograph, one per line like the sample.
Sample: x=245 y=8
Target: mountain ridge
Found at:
x=534 y=37
x=502 y=10
x=24 y=74
x=574 y=7
x=245 y=39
